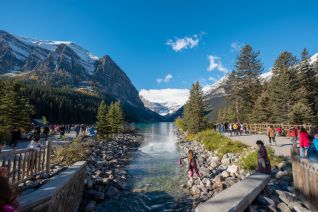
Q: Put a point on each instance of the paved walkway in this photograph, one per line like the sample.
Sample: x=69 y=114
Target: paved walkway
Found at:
x=282 y=148
x=55 y=140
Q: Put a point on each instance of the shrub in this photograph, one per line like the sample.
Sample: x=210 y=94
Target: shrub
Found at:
x=68 y=155
x=180 y=124
x=215 y=141
x=249 y=161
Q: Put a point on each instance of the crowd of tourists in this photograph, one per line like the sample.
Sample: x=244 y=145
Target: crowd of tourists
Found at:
x=236 y=128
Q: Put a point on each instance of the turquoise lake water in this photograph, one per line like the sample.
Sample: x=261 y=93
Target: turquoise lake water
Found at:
x=154 y=169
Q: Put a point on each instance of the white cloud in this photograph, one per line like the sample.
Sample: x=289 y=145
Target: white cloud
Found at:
x=236 y=46
x=216 y=63
x=179 y=96
x=212 y=79
x=188 y=42
x=166 y=79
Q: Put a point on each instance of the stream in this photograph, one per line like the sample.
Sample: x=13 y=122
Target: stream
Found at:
x=153 y=170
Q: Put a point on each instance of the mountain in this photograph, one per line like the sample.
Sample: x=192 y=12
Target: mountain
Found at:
x=164 y=101
x=66 y=64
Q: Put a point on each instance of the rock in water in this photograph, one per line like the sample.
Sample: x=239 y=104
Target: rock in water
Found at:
x=112 y=191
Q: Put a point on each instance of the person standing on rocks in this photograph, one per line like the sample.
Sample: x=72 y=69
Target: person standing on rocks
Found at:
x=192 y=164
x=271 y=135
x=263 y=163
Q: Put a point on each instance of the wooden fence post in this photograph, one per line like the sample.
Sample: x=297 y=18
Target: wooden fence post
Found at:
x=48 y=156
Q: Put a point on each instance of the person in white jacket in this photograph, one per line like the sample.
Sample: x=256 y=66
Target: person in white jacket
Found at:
x=35 y=144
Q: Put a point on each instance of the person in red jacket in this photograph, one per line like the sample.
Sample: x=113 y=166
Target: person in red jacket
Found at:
x=293 y=135
x=303 y=142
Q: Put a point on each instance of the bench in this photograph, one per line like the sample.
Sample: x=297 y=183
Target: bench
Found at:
x=238 y=197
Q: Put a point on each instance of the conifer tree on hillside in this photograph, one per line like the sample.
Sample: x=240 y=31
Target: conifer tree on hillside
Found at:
x=115 y=117
x=102 y=121
x=119 y=121
x=262 y=112
x=244 y=86
x=194 y=111
x=282 y=88
x=307 y=86
x=15 y=109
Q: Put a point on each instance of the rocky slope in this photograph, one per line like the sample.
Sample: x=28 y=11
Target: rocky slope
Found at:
x=65 y=64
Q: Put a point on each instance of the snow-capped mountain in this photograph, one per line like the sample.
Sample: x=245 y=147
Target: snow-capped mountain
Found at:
x=62 y=63
x=87 y=58
x=164 y=101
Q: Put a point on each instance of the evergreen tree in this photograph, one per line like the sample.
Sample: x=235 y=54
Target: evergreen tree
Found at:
x=282 y=88
x=195 y=110
x=262 y=112
x=244 y=86
x=119 y=117
x=307 y=87
x=15 y=109
x=102 y=121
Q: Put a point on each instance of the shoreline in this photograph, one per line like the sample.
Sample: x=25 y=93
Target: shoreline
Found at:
x=106 y=176
x=216 y=173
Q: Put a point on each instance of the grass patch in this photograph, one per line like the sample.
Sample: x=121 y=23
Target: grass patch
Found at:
x=69 y=154
x=249 y=160
x=214 y=141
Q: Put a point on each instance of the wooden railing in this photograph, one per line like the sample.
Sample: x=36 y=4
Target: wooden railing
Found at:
x=305 y=176
x=23 y=164
x=262 y=128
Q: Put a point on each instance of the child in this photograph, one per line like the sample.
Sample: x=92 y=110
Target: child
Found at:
x=192 y=164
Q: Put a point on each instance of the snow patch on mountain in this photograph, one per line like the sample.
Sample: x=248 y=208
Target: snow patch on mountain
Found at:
x=164 y=101
x=87 y=58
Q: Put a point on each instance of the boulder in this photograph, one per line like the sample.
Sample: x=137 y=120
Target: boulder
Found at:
x=232 y=169
x=225 y=174
x=112 y=191
x=298 y=207
x=190 y=183
x=195 y=190
x=282 y=207
x=282 y=165
x=280 y=174
x=218 y=179
x=226 y=161
x=90 y=207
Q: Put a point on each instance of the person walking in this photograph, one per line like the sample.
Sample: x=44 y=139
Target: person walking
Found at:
x=46 y=131
x=303 y=142
x=271 y=135
x=230 y=129
x=15 y=137
x=263 y=163
x=293 y=135
x=35 y=144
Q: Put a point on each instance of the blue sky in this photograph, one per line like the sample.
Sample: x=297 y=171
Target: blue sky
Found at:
x=136 y=33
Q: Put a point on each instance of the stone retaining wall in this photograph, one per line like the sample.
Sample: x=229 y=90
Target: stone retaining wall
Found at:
x=62 y=193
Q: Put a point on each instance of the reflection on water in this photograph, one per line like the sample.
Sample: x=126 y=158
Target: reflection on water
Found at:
x=154 y=170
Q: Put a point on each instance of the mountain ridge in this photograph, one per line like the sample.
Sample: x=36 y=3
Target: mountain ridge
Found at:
x=65 y=64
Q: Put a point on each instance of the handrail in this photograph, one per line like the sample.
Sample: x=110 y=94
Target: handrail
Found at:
x=23 y=164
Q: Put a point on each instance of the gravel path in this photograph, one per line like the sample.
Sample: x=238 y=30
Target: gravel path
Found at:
x=282 y=148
